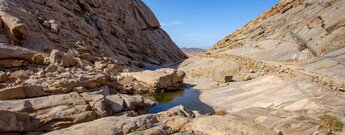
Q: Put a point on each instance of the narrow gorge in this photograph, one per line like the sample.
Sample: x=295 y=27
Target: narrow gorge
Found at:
x=107 y=67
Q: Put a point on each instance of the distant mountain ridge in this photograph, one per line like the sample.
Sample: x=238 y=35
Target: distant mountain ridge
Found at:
x=192 y=51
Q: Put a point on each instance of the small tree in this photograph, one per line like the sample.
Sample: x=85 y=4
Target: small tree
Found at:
x=332 y=122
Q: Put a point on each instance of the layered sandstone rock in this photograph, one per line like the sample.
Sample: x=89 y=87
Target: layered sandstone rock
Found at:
x=288 y=68
x=293 y=30
x=59 y=111
x=177 y=120
x=153 y=81
x=125 y=30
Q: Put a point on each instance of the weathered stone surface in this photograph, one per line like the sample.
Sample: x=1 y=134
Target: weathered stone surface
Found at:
x=152 y=81
x=246 y=78
x=62 y=59
x=133 y=101
x=60 y=111
x=116 y=103
x=16 y=53
x=3 y=76
x=313 y=25
x=125 y=30
x=13 y=121
x=218 y=69
x=145 y=124
x=222 y=78
x=21 y=92
x=218 y=125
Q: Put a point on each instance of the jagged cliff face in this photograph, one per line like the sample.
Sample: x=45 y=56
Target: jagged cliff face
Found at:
x=293 y=30
x=125 y=30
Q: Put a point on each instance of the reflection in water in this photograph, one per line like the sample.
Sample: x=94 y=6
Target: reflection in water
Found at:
x=187 y=97
x=167 y=97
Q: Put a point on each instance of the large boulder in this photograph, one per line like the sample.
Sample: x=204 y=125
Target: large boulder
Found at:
x=161 y=79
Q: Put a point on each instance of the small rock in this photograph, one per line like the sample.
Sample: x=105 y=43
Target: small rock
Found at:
x=3 y=76
x=20 y=74
x=112 y=69
x=46 y=24
x=246 y=78
x=133 y=101
x=115 y=103
x=54 y=26
x=39 y=58
x=100 y=65
x=62 y=59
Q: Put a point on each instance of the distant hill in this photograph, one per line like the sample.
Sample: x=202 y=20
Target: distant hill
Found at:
x=192 y=51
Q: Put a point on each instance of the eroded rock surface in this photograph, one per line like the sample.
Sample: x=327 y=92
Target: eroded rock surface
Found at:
x=287 y=67
x=153 y=81
x=125 y=30
x=59 y=61
x=177 y=120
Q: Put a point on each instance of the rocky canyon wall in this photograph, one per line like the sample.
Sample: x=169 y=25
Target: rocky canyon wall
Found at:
x=124 y=30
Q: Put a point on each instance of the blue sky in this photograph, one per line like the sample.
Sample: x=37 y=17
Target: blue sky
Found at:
x=202 y=23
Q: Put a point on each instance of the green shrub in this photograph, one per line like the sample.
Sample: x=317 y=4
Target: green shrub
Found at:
x=341 y=46
x=332 y=122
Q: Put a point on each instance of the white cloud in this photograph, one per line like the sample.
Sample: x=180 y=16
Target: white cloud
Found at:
x=172 y=23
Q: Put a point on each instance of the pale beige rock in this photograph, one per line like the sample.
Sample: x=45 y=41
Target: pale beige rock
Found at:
x=16 y=25
x=145 y=124
x=21 y=92
x=275 y=102
x=246 y=78
x=62 y=59
x=133 y=101
x=217 y=125
x=222 y=78
x=100 y=65
x=217 y=69
x=170 y=79
x=117 y=103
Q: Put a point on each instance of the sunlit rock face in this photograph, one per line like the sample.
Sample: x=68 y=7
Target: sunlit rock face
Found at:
x=125 y=30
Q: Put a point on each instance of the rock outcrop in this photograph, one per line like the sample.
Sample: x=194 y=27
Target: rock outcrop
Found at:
x=287 y=68
x=293 y=30
x=177 y=120
x=59 y=111
x=153 y=81
x=124 y=30
x=59 y=61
